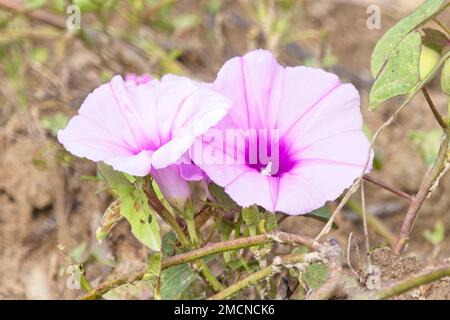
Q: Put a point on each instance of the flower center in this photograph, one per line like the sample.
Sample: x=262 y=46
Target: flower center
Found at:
x=268 y=155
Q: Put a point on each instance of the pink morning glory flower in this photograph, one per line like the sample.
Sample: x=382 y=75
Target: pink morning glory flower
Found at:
x=142 y=126
x=306 y=123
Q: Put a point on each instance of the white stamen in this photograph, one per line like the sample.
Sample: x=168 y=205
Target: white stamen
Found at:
x=267 y=171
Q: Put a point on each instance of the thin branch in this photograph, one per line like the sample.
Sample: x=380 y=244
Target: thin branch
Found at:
x=240 y=243
x=440 y=24
x=236 y=244
x=207 y=275
x=366 y=230
x=428 y=183
x=414 y=281
x=388 y=188
x=162 y=211
x=328 y=226
x=436 y=113
x=110 y=284
x=374 y=223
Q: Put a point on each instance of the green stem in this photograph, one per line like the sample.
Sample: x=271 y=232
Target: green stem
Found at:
x=165 y=215
x=414 y=282
x=208 y=276
x=192 y=232
x=255 y=278
x=201 y=265
x=236 y=244
x=434 y=110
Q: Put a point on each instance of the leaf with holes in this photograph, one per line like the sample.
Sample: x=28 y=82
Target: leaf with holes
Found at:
x=401 y=73
x=134 y=207
x=393 y=37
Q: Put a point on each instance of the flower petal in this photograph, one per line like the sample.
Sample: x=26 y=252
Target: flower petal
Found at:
x=250 y=82
x=197 y=109
x=174 y=188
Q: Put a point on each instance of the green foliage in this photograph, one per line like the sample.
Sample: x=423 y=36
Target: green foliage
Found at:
x=251 y=215
x=322 y=214
x=427 y=143
x=169 y=243
x=55 y=122
x=403 y=61
x=270 y=221
x=86 y=5
x=134 y=207
x=175 y=280
x=400 y=74
x=154 y=267
x=437 y=235
x=221 y=196
x=393 y=37
x=315 y=275
x=34 y=4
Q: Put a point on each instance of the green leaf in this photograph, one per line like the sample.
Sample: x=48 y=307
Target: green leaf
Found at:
x=436 y=236
x=322 y=214
x=401 y=73
x=154 y=267
x=392 y=38
x=427 y=143
x=315 y=275
x=86 y=5
x=169 y=243
x=221 y=196
x=270 y=221
x=175 y=280
x=251 y=215
x=445 y=77
x=134 y=207
x=239 y=263
x=109 y=219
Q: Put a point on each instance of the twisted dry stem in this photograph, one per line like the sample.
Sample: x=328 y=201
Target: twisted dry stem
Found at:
x=428 y=183
x=236 y=244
